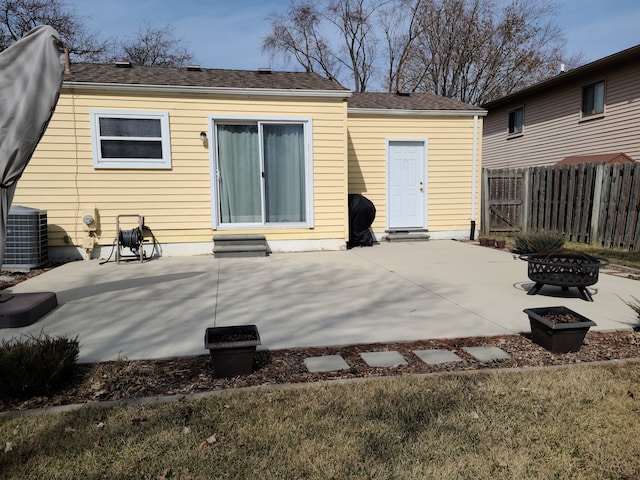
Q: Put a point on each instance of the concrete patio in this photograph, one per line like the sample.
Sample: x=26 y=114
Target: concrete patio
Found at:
x=385 y=293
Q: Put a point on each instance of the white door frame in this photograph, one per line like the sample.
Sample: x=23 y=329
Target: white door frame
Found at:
x=425 y=143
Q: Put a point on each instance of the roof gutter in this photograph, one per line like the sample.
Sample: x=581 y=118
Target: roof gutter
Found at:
x=421 y=113
x=253 y=92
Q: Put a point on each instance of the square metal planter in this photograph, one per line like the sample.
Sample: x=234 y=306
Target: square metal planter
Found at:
x=232 y=349
x=558 y=337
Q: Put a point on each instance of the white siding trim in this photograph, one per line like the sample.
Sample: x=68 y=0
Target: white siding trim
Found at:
x=165 y=89
x=420 y=113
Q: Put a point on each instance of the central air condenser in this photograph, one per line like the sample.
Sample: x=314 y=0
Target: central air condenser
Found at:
x=26 y=243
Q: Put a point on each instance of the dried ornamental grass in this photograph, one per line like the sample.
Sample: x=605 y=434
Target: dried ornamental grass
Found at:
x=538 y=242
x=36 y=365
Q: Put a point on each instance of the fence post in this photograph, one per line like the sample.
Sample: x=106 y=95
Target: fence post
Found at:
x=595 y=204
x=526 y=202
x=485 y=215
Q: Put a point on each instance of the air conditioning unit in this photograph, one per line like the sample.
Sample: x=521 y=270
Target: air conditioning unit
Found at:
x=26 y=244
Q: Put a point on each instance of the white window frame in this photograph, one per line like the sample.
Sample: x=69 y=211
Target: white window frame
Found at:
x=307 y=124
x=131 y=163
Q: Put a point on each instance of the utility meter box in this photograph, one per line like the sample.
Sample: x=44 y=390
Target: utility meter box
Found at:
x=89 y=218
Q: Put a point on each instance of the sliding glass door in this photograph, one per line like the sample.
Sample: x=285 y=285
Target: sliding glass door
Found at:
x=262 y=173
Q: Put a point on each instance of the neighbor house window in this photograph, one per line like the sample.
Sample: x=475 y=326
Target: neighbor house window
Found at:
x=515 y=121
x=263 y=172
x=130 y=139
x=593 y=99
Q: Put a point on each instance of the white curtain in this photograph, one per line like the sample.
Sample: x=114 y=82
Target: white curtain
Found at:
x=239 y=166
x=284 y=172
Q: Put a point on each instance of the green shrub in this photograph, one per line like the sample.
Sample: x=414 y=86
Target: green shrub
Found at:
x=538 y=242
x=36 y=365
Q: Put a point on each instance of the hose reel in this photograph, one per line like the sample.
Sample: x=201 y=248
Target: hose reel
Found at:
x=132 y=239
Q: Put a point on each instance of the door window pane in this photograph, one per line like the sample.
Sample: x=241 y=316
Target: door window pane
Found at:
x=240 y=173
x=284 y=173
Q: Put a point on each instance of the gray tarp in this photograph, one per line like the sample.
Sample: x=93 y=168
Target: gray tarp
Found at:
x=31 y=74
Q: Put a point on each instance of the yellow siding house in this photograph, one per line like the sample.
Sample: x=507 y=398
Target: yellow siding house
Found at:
x=202 y=152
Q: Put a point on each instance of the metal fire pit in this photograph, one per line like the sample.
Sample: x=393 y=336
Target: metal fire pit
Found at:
x=564 y=268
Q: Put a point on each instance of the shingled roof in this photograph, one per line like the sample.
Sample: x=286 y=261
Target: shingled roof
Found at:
x=408 y=101
x=125 y=73
x=620 y=157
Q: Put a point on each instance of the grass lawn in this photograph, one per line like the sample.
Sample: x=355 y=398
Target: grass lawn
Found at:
x=620 y=257
x=616 y=256
x=577 y=422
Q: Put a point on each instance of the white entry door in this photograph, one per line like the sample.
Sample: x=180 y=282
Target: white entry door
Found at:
x=406 y=184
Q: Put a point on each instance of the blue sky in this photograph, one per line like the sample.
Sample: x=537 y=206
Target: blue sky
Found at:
x=228 y=34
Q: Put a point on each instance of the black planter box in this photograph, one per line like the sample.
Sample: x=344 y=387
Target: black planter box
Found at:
x=232 y=349
x=558 y=337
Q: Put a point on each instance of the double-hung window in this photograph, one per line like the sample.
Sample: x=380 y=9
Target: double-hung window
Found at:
x=515 y=121
x=593 y=99
x=130 y=139
x=263 y=172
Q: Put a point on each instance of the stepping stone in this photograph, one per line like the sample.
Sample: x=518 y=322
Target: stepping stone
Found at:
x=326 y=363
x=383 y=359
x=487 y=354
x=434 y=357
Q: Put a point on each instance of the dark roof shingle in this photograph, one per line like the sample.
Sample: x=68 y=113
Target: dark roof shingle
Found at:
x=404 y=101
x=601 y=158
x=205 y=77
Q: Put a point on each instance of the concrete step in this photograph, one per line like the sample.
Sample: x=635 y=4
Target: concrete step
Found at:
x=235 y=246
x=239 y=239
x=407 y=237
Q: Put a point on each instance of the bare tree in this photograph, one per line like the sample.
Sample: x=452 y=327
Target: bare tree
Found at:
x=303 y=34
x=154 y=46
x=402 y=29
x=470 y=50
x=18 y=17
x=354 y=20
x=297 y=35
x=474 y=51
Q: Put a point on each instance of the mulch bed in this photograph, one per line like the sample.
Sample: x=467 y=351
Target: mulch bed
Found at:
x=124 y=379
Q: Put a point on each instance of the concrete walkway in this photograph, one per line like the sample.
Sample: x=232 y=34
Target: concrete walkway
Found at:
x=385 y=293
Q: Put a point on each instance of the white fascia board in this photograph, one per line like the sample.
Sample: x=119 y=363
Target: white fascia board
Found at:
x=421 y=113
x=260 y=92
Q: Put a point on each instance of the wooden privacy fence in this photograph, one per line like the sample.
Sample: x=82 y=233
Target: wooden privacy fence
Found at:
x=588 y=203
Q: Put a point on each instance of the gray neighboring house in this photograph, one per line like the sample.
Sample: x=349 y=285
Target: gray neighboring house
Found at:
x=591 y=110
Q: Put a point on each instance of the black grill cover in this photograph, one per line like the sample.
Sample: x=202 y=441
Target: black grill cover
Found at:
x=362 y=213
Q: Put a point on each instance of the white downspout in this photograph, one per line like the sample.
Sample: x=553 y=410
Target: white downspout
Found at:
x=474 y=167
